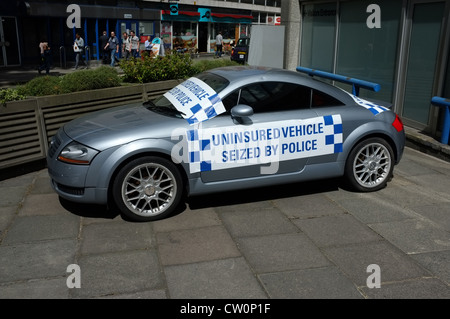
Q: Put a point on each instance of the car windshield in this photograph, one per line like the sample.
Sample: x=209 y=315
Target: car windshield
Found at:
x=242 y=41
x=163 y=106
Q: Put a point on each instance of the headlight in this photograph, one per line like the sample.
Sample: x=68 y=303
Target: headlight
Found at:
x=76 y=153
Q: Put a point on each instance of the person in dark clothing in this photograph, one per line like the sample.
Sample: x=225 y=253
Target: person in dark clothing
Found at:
x=104 y=54
x=45 y=57
x=113 y=47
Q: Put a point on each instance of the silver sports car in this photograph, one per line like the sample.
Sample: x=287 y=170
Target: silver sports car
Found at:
x=225 y=129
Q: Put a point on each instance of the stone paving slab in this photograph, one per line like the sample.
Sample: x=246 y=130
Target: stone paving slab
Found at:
x=115 y=237
x=257 y=223
x=281 y=252
x=313 y=283
x=394 y=264
x=414 y=236
x=195 y=245
x=117 y=273
x=336 y=230
x=39 y=228
x=437 y=262
x=37 y=260
x=229 y=278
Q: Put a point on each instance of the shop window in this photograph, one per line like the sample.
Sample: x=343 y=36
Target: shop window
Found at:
x=146 y=29
x=365 y=53
x=228 y=33
x=184 y=35
x=255 y=19
x=318 y=34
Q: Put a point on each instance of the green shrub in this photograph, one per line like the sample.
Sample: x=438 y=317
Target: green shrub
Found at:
x=102 y=77
x=148 y=69
x=7 y=95
x=39 y=86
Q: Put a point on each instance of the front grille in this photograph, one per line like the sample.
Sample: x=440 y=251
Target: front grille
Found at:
x=54 y=145
x=70 y=190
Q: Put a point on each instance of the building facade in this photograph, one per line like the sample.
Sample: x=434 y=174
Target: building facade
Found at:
x=24 y=24
x=403 y=45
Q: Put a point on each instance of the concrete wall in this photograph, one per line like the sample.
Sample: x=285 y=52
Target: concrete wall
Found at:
x=291 y=19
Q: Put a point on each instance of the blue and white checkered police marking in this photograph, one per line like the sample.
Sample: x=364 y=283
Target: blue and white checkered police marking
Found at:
x=196 y=100
x=235 y=146
x=372 y=107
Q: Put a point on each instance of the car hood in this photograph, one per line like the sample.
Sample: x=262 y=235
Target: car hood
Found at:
x=120 y=125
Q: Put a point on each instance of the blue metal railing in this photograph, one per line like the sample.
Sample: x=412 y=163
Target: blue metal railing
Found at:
x=444 y=103
x=355 y=83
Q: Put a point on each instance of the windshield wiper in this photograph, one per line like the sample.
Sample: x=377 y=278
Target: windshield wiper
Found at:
x=163 y=109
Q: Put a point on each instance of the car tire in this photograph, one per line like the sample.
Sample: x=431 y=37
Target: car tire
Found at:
x=148 y=188
x=369 y=165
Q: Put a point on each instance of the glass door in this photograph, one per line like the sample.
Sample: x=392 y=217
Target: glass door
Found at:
x=9 y=42
x=422 y=65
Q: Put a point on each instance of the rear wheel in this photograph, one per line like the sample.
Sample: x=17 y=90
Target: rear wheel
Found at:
x=148 y=188
x=369 y=165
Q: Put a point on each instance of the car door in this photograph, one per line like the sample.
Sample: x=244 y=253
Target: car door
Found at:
x=250 y=147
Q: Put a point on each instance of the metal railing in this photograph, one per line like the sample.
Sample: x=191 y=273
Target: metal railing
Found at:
x=62 y=53
x=87 y=54
x=445 y=104
x=355 y=83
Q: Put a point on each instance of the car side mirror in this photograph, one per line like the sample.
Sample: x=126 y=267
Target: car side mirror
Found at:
x=241 y=110
x=241 y=114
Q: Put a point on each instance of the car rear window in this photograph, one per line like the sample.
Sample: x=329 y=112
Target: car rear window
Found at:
x=216 y=82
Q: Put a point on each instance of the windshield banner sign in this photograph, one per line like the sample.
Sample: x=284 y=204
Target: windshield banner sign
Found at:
x=196 y=100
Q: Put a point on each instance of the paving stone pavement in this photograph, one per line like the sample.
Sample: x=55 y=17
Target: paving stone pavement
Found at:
x=307 y=240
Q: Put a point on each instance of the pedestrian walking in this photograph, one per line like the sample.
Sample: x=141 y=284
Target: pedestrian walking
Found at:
x=134 y=44
x=103 y=40
x=44 y=49
x=126 y=46
x=113 y=47
x=219 y=44
x=78 y=46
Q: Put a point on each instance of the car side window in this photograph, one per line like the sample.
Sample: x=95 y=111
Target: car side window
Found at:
x=320 y=99
x=270 y=97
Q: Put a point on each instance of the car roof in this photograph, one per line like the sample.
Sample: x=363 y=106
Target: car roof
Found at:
x=242 y=75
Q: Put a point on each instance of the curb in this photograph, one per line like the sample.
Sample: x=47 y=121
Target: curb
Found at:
x=426 y=144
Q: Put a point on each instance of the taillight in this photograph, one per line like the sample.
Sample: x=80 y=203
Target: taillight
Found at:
x=398 y=124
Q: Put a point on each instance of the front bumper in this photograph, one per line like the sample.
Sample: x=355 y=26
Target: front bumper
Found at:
x=69 y=180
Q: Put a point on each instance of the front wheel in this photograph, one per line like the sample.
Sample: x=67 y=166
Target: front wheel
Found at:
x=370 y=165
x=148 y=188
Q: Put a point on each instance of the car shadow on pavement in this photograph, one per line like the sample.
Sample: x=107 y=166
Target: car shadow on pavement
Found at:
x=264 y=193
x=89 y=210
x=104 y=211
x=215 y=200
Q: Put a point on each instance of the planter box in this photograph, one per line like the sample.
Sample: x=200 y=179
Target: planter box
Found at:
x=26 y=126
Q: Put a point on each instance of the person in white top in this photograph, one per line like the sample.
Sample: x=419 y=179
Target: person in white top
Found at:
x=126 y=46
x=134 y=44
x=219 y=44
x=78 y=46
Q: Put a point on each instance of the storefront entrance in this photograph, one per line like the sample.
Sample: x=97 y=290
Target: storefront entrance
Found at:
x=9 y=42
x=203 y=37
